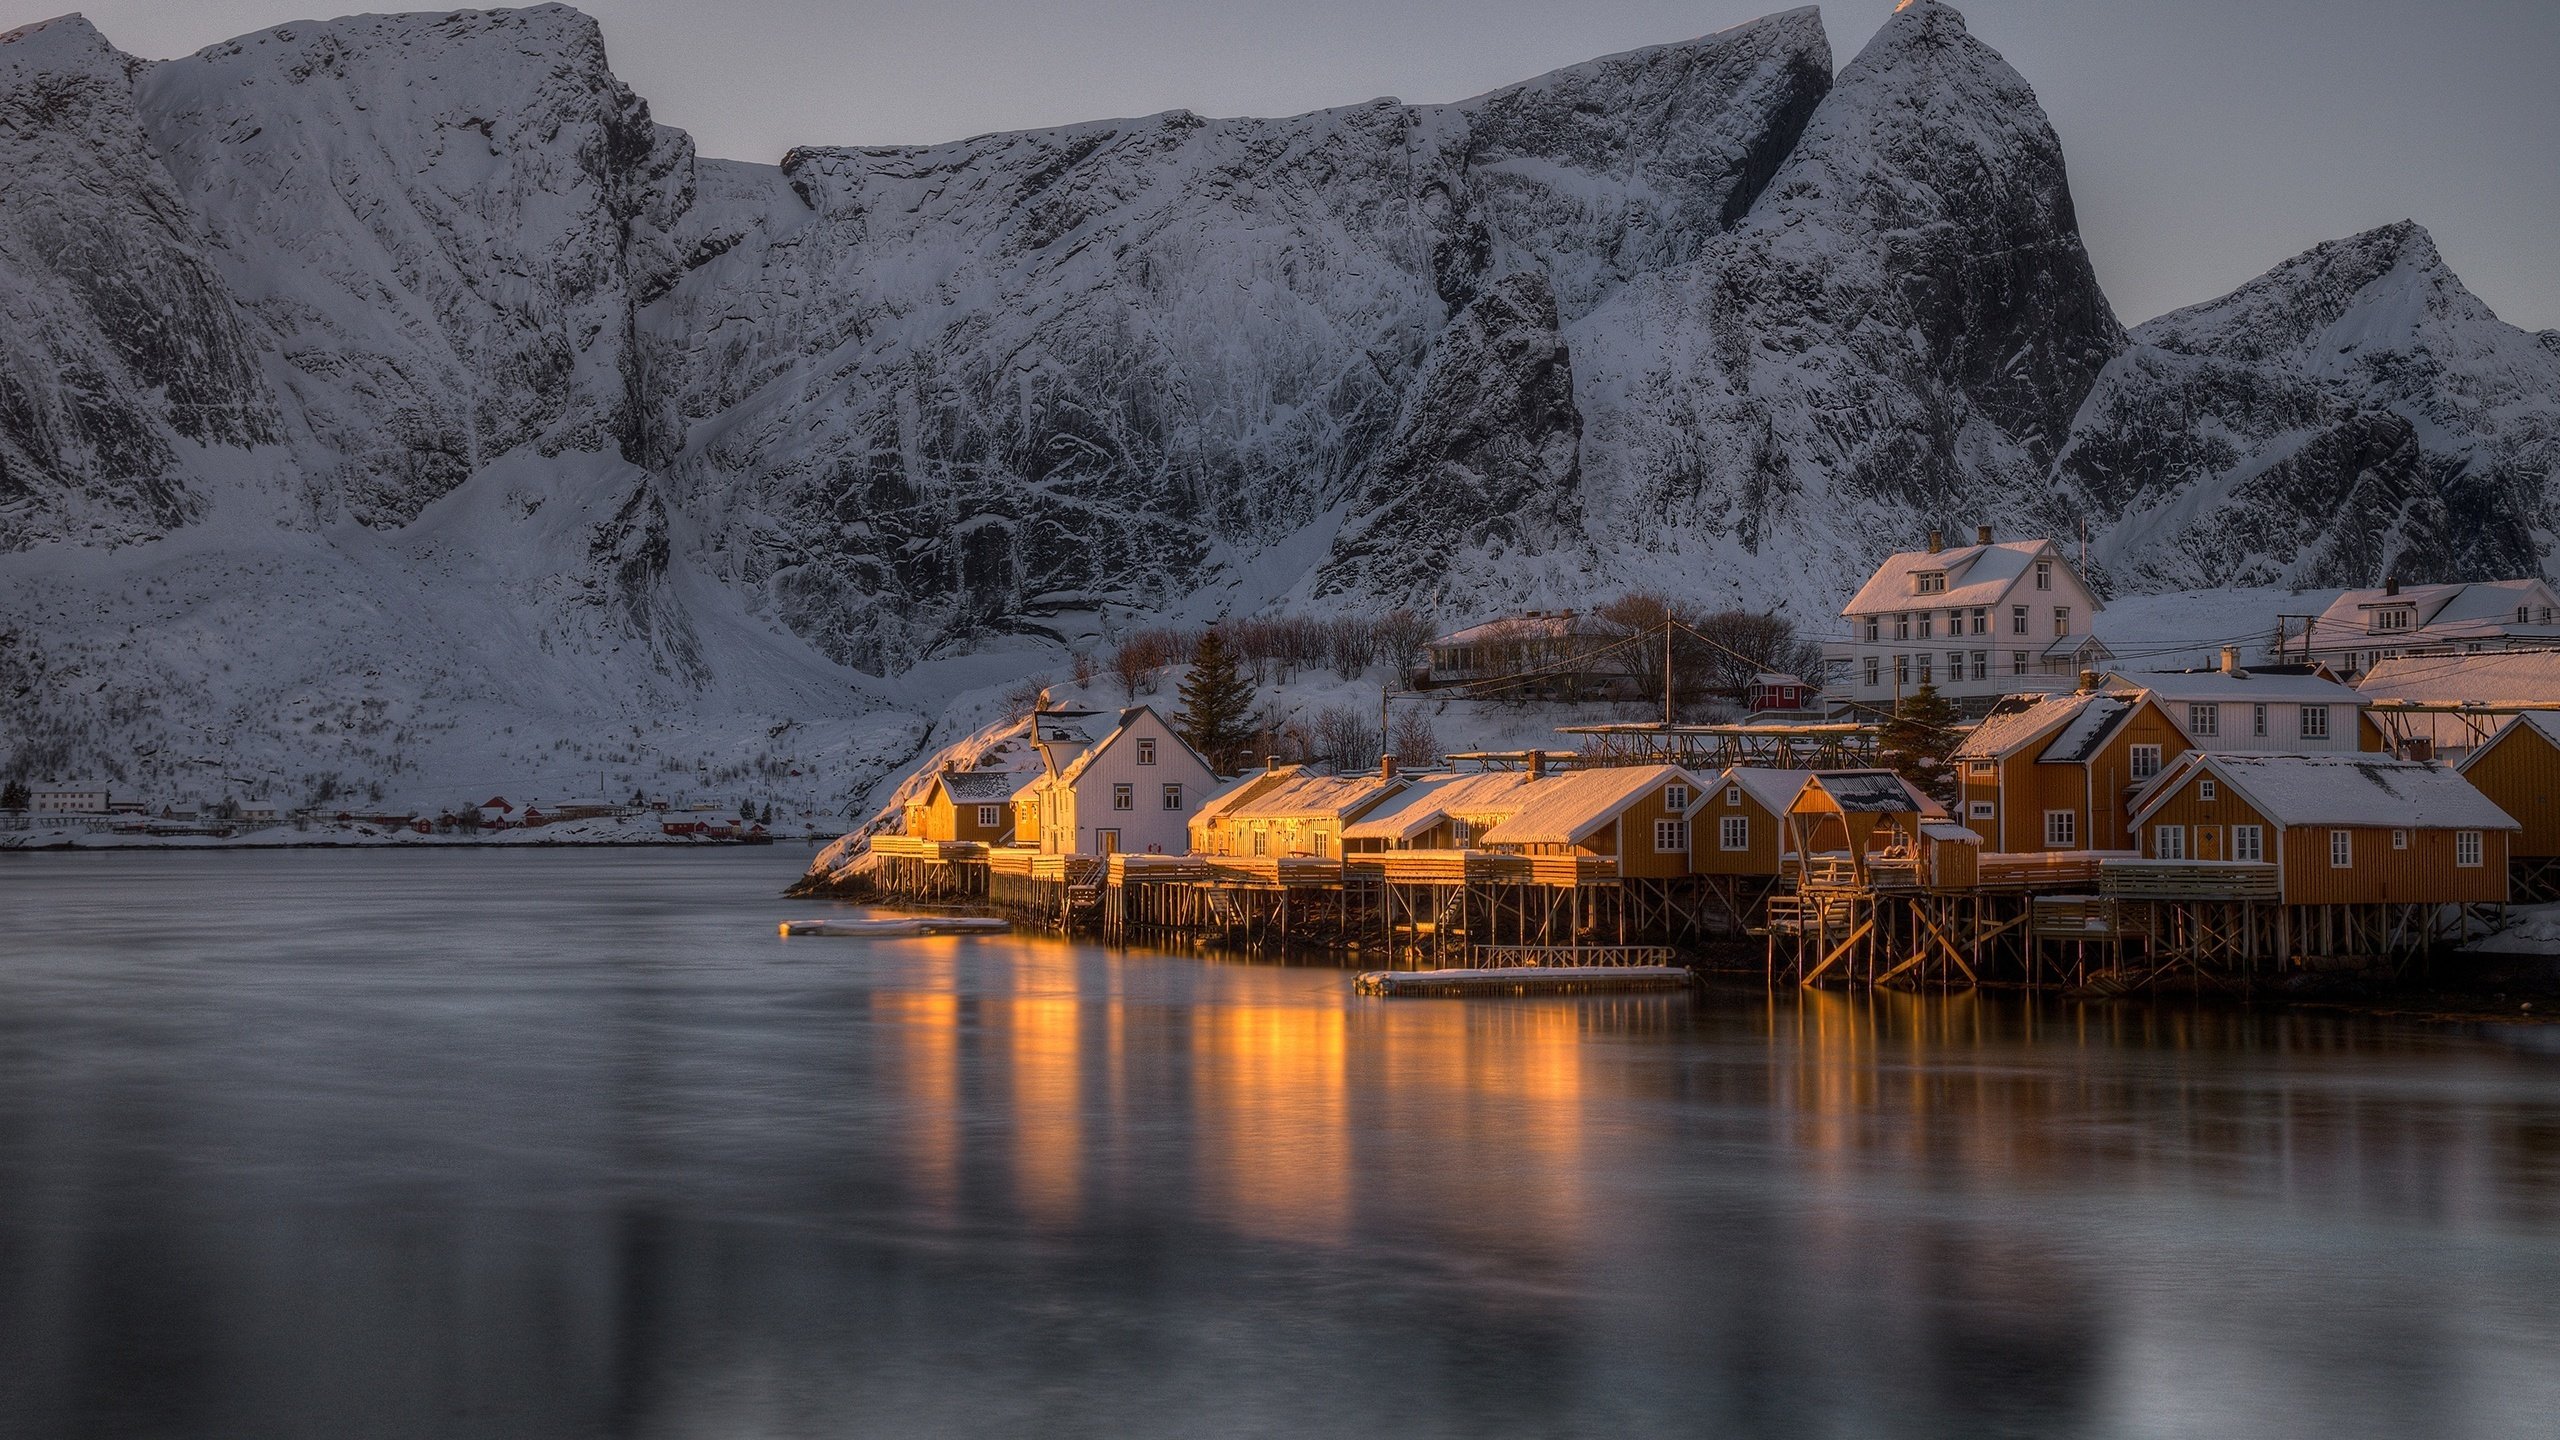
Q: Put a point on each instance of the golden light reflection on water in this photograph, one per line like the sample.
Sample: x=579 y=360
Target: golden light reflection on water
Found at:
x=1275 y=1129
x=1043 y=1043
x=926 y=1046
x=1503 y=1087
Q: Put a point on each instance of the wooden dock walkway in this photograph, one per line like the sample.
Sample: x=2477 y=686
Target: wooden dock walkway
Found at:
x=1524 y=980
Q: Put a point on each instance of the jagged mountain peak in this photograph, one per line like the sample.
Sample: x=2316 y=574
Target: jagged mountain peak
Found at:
x=2383 y=287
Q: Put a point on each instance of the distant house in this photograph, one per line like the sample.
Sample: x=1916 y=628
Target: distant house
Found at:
x=2519 y=771
x=67 y=798
x=1776 y=690
x=1740 y=821
x=1635 y=816
x=968 y=806
x=2362 y=628
x=2055 y=772
x=1978 y=622
x=2340 y=829
x=257 y=812
x=1290 y=810
x=2287 y=708
x=2459 y=692
x=1570 y=651
x=1110 y=783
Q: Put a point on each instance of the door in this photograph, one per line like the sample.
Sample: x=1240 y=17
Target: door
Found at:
x=2208 y=842
x=1108 y=841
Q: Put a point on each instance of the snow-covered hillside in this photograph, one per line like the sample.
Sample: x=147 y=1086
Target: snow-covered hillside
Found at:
x=391 y=401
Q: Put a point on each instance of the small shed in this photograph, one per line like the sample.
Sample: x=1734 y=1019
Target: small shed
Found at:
x=1863 y=814
x=1777 y=690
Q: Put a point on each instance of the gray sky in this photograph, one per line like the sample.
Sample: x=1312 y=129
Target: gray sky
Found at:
x=2208 y=139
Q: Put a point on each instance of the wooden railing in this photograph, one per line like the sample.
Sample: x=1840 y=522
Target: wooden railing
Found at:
x=2044 y=870
x=1504 y=957
x=2188 y=879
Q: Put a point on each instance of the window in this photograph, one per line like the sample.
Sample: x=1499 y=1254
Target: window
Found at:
x=1733 y=795
x=2399 y=839
x=2396 y=618
x=1124 y=797
x=1901 y=669
x=1927 y=661
x=1173 y=797
x=1675 y=797
x=2146 y=761
x=1981 y=619
x=1901 y=627
x=2466 y=848
x=1733 y=832
x=2044 y=574
x=1146 y=752
x=1985 y=769
x=1874 y=670
x=2017 y=662
x=2207 y=790
x=1981 y=664
x=2169 y=842
x=1928 y=618
x=2061 y=621
x=2061 y=829
x=990 y=816
x=1955 y=665
x=1461 y=834
x=1670 y=836
x=2315 y=722
x=2258 y=720
x=2248 y=842
x=2017 y=619
x=1261 y=841
x=1933 y=582
x=2204 y=721
x=2342 y=849
x=1982 y=809
x=1873 y=628
x=2523 y=614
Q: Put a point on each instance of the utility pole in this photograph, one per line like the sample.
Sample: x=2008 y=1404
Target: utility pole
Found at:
x=1666 y=681
x=1385 y=742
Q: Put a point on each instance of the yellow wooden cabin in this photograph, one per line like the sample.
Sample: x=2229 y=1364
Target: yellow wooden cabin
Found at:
x=2059 y=772
x=1872 y=827
x=2340 y=828
x=1739 y=825
x=1636 y=816
x=2519 y=770
x=1290 y=810
x=969 y=806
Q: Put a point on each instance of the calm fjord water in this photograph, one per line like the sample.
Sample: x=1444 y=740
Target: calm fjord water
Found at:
x=505 y=1143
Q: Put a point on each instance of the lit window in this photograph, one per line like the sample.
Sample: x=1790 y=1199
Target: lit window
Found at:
x=1124 y=797
x=2248 y=842
x=1173 y=797
x=1670 y=836
x=2061 y=829
x=2169 y=842
x=2207 y=790
x=2466 y=848
x=1734 y=832
x=2315 y=722
x=2146 y=761
x=1146 y=752
x=2204 y=721
x=2342 y=849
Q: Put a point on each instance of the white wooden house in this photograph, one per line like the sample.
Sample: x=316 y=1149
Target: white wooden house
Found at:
x=1112 y=782
x=2362 y=628
x=1977 y=621
x=2289 y=708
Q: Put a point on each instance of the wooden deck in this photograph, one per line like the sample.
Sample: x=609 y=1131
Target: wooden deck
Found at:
x=2187 y=879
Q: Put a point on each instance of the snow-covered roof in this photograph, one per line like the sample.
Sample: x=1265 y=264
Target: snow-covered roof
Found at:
x=2289 y=684
x=2340 y=789
x=2545 y=723
x=983 y=787
x=1537 y=625
x=2481 y=607
x=1430 y=800
x=2016 y=721
x=1947 y=831
x=1301 y=794
x=2086 y=731
x=1976 y=575
x=1771 y=789
x=1776 y=677
x=2492 y=677
x=1872 y=792
x=1570 y=808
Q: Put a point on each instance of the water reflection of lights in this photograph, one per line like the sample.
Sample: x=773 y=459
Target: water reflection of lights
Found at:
x=1043 y=1023
x=1275 y=1130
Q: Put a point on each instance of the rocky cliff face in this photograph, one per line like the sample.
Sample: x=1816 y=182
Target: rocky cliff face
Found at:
x=1696 y=317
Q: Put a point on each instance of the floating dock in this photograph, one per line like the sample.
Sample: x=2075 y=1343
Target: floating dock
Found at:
x=1525 y=980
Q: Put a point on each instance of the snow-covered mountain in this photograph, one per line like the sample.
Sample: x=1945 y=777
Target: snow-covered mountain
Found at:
x=404 y=361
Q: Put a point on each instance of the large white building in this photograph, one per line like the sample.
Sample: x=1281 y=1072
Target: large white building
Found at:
x=1112 y=782
x=1978 y=622
x=2281 y=708
x=72 y=798
x=2362 y=628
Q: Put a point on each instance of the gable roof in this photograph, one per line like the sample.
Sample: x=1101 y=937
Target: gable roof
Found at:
x=2089 y=729
x=2288 y=684
x=1301 y=793
x=2017 y=721
x=1430 y=800
x=1217 y=806
x=2491 y=677
x=982 y=787
x=1101 y=737
x=1871 y=792
x=2545 y=723
x=2338 y=788
x=1538 y=625
x=1570 y=808
x=1976 y=575
x=1771 y=789
x=2479 y=607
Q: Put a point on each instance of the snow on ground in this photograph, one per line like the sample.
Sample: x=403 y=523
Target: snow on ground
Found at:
x=2530 y=930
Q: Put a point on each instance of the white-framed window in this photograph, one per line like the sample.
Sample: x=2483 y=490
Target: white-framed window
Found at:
x=1670 y=836
x=1901 y=626
x=2061 y=621
x=2398 y=618
x=1733 y=832
x=1928 y=619
x=1955 y=665
x=1981 y=619
x=1928 y=667
x=2017 y=662
x=990 y=816
x=2207 y=790
x=1985 y=769
x=1875 y=668
x=1982 y=809
x=1874 y=630
x=1733 y=795
x=2342 y=849
x=1981 y=664
x=1675 y=797
x=2061 y=829
x=1124 y=797
x=1261 y=841
x=2399 y=839
x=1173 y=797
x=1462 y=833
x=1901 y=669
x=1932 y=582
x=2315 y=722
x=2017 y=619
x=2248 y=842
x=2203 y=720
x=2258 y=720
x=2044 y=574
x=1146 y=752
x=2169 y=842
x=2146 y=761
x=2466 y=849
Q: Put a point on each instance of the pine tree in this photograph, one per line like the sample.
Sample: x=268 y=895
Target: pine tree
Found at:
x=1216 y=717
x=1918 y=739
x=14 y=796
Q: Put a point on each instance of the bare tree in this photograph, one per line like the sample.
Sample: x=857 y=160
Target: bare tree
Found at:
x=1400 y=637
x=1413 y=741
x=1130 y=669
x=1351 y=642
x=1345 y=736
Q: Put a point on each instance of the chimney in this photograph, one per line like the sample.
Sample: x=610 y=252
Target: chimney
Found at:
x=2088 y=681
x=2390 y=584
x=2230 y=659
x=1981 y=534
x=1937 y=540
x=2418 y=747
x=1537 y=763
x=1386 y=767
x=1270 y=762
